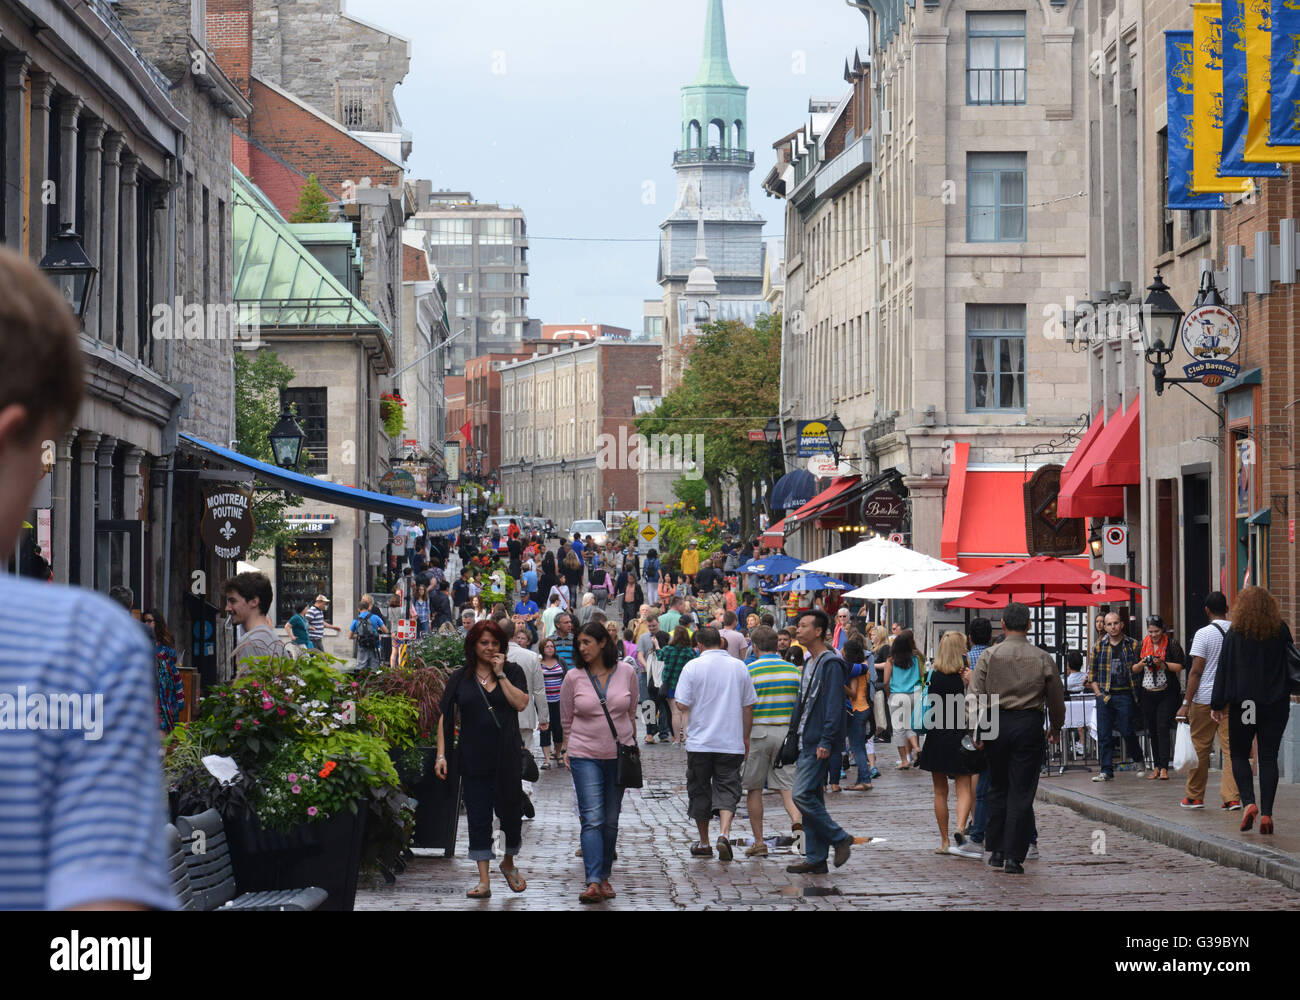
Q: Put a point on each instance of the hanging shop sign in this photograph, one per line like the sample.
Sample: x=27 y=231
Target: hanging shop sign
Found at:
x=1047 y=533
x=813 y=439
x=883 y=511
x=1211 y=335
x=451 y=460
x=825 y=467
x=227 y=525
x=398 y=483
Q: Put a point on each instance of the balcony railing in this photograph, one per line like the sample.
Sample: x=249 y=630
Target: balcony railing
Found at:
x=713 y=154
x=995 y=86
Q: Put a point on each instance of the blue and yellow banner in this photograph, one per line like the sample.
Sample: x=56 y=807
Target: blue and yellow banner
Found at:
x=1236 y=109
x=1207 y=104
x=1257 y=23
x=1284 y=112
x=1178 y=77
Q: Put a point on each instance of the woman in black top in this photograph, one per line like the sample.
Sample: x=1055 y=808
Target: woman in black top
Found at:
x=944 y=720
x=481 y=702
x=547 y=579
x=573 y=575
x=1251 y=687
x=630 y=593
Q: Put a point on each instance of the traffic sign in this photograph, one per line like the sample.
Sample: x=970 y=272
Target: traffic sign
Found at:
x=404 y=630
x=649 y=533
x=757 y=436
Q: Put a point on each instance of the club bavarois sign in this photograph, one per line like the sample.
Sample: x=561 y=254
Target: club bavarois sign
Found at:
x=1211 y=335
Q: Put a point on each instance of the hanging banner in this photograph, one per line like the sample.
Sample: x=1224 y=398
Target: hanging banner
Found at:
x=1284 y=111
x=1207 y=104
x=1256 y=27
x=1236 y=110
x=1178 y=62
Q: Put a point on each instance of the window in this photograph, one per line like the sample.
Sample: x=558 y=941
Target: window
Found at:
x=995 y=197
x=496 y=231
x=464 y=283
x=453 y=231
x=1196 y=223
x=1162 y=168
x=995 y=362
x=495 y=254
x=995 y=58
x=498 y=282
x=309 y=409
x=464 y=307
x=701 y=311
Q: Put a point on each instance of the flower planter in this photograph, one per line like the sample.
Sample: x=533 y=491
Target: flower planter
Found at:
x=437 y=809
x=325 y=854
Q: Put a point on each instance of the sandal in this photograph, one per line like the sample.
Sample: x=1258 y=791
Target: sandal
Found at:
x=479 y=892
x=1154 y=775
x=591 y=894
x=1164 y=774
x=514 y=879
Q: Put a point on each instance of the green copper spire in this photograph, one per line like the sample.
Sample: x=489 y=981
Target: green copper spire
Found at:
x=715 y=68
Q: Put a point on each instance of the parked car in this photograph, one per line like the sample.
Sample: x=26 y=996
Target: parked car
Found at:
x=596 y=529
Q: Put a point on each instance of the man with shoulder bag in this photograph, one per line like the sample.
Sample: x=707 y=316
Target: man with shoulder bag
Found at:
x=818 y=731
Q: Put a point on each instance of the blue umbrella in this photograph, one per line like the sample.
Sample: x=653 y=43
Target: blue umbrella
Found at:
x=793 y=490
x=809 y=582
x=775 y=565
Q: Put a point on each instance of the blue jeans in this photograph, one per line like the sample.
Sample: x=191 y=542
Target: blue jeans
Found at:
x=1120 y=710
x=858 y=744
x=599 y=802
x=819 y=830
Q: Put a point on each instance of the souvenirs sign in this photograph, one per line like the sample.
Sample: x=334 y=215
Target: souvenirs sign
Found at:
x=1211 y=335
x=227 y=526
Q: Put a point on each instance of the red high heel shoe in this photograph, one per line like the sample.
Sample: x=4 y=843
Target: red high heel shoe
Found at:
x=1266 y=824
x=1248 y=818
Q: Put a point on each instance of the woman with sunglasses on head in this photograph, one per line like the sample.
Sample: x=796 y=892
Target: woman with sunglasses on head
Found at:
x=481 y=706
x=598 y=699
x=1159 y=691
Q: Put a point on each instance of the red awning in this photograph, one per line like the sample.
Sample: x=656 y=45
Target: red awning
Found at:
x=983 y=517
x=1116 y=458
x=774 y=537
x=823 y=501
x=1080 y=496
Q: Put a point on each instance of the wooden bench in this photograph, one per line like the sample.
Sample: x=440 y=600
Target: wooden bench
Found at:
x=205 y=879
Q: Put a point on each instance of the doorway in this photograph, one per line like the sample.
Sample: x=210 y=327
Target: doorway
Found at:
x=1196 y=550
x=119 y=558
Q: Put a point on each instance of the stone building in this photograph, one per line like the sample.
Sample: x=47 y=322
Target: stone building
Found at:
x=419 y=357
x=123 y=116
x=566 y=426
x=481 y=249
x=711 y=263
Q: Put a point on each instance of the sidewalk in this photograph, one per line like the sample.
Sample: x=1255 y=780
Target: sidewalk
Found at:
x=1151 y=810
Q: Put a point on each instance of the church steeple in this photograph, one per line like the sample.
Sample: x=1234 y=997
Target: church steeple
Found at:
x=715 y=68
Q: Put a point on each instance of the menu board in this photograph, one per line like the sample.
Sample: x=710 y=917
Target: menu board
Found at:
x=304 y=568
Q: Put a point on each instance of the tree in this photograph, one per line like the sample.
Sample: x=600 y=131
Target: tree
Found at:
x=260 y=378
x=313 y=205
x=730 y=385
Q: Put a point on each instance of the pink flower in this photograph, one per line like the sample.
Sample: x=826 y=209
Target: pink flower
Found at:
x=268 y=703
x=312 y=810
x=237 y=725
x=296 y=789
x=255 y=684
x=293 y=777
x=281 y=711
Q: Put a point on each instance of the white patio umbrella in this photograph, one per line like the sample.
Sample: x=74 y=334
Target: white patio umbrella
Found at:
x=907 y=586
x=878 y=557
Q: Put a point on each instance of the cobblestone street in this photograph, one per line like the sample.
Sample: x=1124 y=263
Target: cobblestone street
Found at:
x=898 y=870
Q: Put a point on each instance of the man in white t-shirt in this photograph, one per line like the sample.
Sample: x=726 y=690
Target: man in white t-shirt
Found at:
x=248 y=599
x=1195 y=710
x=716 y=693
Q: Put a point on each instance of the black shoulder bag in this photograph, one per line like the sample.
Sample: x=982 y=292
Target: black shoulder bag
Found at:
x=527 y=763
x=629 y=758
x=790 y=746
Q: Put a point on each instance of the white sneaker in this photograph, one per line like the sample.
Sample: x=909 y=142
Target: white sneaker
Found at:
x=1103 y=776
x=1078 y=749
x=967 y=850
x=1032 y=853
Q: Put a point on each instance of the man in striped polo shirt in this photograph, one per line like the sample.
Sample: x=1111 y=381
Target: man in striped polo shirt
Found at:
x=83 y=805
x=777 y=682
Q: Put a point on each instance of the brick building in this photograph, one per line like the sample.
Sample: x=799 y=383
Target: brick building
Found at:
x=566 y=423
x=483 y=411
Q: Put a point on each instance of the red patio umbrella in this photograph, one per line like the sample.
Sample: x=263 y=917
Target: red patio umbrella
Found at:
x=1041 y=573
x=1054 y=599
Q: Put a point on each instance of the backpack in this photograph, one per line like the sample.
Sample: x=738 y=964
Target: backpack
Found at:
x=367 y=634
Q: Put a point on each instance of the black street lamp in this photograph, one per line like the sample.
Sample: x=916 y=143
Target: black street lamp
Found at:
x=68 y=267
x=772 y=432
x=1158 y=323
x=286 y=440
x=835 y=435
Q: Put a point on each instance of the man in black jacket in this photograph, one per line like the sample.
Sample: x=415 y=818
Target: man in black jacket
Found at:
x=440 y=606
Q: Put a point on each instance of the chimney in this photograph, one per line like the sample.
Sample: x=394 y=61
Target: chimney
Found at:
x=230 y=36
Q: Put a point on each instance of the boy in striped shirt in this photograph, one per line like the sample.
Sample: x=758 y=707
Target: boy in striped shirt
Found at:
x=83 y=809
x=776 y=681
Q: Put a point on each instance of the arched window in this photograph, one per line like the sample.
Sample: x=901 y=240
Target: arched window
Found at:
x=693 y=135
x=737 y=134
x=717 y=133
x=701 y=311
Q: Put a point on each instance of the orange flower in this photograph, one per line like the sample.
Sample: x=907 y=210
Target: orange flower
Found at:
x=329 y=766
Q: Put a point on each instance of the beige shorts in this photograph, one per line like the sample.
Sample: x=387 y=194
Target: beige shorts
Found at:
x=902 y=706
x=760 y=766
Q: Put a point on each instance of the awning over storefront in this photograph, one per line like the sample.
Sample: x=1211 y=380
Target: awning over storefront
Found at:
x=1080 y=496
x=774 y=537
x=983 y=518
x=829 y=499
x=439 y=517
x=1117 y=457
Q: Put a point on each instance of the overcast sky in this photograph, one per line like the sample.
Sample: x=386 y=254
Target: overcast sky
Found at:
x=567 y=108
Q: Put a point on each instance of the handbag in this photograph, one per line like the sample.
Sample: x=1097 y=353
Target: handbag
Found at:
x=789 y=752
x=628 y=774
x=973 y=760
x=528 y=769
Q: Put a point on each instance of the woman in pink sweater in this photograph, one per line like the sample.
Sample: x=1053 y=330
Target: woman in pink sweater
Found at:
x=597 y=699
